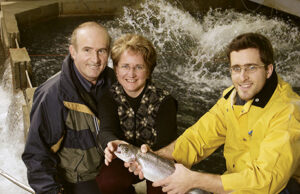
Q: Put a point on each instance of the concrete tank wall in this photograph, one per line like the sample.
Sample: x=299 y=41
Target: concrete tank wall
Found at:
x=94 y=7
x=267 y=7
x=85 y=7
x=288 y=6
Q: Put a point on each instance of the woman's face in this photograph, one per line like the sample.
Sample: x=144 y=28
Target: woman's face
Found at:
x=132 y=72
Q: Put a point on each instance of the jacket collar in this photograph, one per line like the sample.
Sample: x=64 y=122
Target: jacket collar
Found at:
x=262 y=98
x=67 y=86
x=88 y=86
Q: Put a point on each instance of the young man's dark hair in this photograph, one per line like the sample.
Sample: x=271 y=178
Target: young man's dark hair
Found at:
x=253 y=40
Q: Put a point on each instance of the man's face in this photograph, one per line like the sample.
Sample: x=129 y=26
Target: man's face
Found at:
x=249 y=83
x=90 y=54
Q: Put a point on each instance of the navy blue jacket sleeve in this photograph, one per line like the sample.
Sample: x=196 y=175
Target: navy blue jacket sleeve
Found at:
x=45 y=130
x=109 y=120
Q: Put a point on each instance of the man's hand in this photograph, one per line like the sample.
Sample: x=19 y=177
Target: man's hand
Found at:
x=178 y=182
x=134 y=166
x=109 y=150
x=184 y=180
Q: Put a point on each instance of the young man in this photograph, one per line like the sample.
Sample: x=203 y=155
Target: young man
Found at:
x=61 y=153
x=258 y=121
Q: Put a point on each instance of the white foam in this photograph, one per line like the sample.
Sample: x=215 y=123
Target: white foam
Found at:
x=196 y=43
x=11 y=135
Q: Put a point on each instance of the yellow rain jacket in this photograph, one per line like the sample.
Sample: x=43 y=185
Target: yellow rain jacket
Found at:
x=261 y=139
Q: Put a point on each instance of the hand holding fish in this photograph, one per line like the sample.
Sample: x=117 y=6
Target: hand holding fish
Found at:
x=147 y=164
x=152 y=166
x=110 y=149
x=134 y=166
x=181 y=181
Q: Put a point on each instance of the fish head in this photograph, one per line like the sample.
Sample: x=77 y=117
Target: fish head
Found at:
x=126 y=152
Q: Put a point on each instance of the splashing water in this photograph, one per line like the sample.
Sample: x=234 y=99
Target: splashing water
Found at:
x=192 y=50
x=11 y=134
x=198 y=41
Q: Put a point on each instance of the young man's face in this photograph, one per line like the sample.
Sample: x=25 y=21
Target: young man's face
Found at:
x=91 y=52
x=249 y=83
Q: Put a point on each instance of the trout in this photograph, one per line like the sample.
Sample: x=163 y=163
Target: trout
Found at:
x=153 y=166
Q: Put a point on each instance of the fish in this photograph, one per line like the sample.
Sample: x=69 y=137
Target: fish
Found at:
x=154 y=167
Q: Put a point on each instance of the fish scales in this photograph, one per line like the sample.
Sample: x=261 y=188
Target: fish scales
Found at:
x=153 y=166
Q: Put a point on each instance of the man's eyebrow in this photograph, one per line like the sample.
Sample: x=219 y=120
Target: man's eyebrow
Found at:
x=86 y=47
x=247 y=64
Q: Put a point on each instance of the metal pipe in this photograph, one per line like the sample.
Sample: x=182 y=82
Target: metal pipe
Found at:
x=17 y=43
x=15 y=181
x=28 y=79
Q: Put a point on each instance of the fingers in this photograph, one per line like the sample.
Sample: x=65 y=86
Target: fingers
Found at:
x=126 y=164
x=130 y=166
x=106 y=162
x=108 y=156
x=109 y=152
x=141 y=175
x=135 y=168
x=145 y=148
x=110 y=149
x=159 y=183
x=111 y=146
x=166 y=187
x=132 y=169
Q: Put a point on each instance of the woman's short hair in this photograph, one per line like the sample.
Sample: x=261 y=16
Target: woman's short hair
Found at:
x=253 y=40
x=135 y=43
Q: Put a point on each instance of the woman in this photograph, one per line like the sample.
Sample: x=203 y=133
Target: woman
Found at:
x=134 y=111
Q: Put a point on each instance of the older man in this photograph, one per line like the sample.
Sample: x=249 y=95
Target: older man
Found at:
x=61 y=153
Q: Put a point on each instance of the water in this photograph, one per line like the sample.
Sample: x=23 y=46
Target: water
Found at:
x=11 y=134
x=191 y=63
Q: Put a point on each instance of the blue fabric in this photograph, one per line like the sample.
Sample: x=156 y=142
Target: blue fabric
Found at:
x=85 y=83
x=293 y=187
x=285 y=191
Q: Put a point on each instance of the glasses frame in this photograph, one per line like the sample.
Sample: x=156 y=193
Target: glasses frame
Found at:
x=137 y=68
x=249 y=68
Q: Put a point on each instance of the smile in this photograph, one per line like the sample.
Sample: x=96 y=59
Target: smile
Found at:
x=131 y=80
x=245 y=86
x=94 y=65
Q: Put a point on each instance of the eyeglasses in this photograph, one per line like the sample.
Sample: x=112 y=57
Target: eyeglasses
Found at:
x=236 y=69
x=127 y=68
